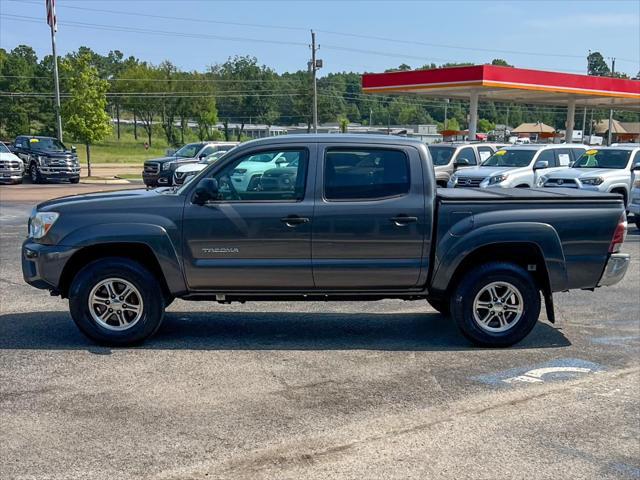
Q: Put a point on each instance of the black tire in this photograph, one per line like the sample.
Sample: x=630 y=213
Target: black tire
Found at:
x=74 y=180
x=34 y=174
x=462 y=304
x=441 y=306
x=130 y=271
x=637 y=221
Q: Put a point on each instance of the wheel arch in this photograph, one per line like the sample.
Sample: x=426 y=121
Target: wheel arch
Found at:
x=523 y=243
x=138 y=252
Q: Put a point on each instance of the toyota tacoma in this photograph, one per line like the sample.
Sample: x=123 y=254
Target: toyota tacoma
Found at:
x=360 y=219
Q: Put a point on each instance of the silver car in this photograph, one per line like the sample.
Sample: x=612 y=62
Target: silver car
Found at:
x=602 y=169
x=518 y=166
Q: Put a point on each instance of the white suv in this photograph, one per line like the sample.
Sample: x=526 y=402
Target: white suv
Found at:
x=601 y=169
x=517 y=166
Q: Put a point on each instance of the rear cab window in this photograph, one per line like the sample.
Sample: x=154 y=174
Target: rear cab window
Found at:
x=365 y=173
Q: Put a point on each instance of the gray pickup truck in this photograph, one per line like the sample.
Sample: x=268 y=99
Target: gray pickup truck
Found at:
x=354 y=218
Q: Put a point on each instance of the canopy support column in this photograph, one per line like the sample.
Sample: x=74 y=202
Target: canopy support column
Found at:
x=571 y=113
x=473 y=115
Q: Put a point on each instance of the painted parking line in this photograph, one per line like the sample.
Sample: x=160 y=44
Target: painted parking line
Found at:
x=554 y=371
x=616 y=340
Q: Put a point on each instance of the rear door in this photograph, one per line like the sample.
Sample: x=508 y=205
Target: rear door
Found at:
x=369 y=219
x=258 y=238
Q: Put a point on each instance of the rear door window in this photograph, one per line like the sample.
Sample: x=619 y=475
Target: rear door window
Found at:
x=564 y=157
x=485 y=152
x=365 y=174
x=548 y=156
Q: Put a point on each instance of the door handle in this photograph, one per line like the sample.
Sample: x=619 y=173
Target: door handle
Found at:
x=293 y=220
x=403 y=220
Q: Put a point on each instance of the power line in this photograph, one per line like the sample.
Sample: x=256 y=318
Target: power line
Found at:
x=334 y=32
x=118 y=28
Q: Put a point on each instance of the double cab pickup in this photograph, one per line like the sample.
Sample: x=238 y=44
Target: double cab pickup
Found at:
x=347 y=218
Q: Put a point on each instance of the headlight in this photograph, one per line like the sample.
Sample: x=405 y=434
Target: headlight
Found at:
x=42 y=160
x=454 y=178
x=592 y=181
x=167 y=166
x=541 y=181
x=41 y=223
x=497 y=179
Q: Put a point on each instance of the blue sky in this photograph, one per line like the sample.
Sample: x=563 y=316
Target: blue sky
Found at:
x=196 y=34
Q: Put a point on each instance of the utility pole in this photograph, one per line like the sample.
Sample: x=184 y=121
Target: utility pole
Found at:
x=609 y=136
x=584 y=123
x=52 y=21
x=314 y=66
x=446 y=107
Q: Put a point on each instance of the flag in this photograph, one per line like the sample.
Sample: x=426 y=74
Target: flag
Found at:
x=51 y=14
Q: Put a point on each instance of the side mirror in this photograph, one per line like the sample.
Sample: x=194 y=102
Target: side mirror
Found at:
x=280 y=161
x=206 y=190
x=74 y=149
x=540 y=164
x=636 y=167
x=462 y=162
x=202 y=155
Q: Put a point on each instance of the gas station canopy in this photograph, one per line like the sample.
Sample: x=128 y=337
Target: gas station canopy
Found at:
x=508 y=84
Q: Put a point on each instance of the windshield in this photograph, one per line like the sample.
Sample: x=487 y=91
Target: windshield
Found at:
x=189 y=151
x=3 y=148
x=509 y=158
x=47 y=144
x=603 y=159
x=215 y=156
x=441 y=155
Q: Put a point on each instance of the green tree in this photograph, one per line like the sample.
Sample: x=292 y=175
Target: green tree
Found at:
x=597 y=65
x=500 y=62
x=485 y=125
x=137 y=79
x=86 y=119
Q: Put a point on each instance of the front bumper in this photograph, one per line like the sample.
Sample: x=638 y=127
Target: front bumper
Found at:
x=42 y=265
x=162 y=179
x=10 y=176
x=615 y=269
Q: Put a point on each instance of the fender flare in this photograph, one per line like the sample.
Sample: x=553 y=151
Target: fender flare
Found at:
x=155 y=237
x=541 y=235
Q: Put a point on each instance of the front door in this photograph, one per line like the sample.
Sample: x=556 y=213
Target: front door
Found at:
x=257 y=234
x=369 y=222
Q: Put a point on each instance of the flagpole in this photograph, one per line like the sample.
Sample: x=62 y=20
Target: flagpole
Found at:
x=55 y=75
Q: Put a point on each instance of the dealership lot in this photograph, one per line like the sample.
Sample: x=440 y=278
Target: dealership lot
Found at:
x=275 y=390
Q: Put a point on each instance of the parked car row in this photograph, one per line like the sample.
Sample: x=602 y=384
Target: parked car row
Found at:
x=602 y=169
x=160 y=172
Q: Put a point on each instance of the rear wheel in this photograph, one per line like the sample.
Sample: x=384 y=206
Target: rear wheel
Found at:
x=115 y=301
x=496 y=304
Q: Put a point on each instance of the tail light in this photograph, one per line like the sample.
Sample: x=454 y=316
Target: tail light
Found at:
x=619 y=235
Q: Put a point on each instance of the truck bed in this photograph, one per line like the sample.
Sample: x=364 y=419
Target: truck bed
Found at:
x=510 y=194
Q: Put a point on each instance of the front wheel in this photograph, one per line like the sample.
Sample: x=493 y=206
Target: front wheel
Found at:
x=114 y=301
x=74 y=180
x=496 y=304
x=34 y=173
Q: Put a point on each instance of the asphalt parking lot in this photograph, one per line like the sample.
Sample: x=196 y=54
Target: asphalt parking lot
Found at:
x=318 y=390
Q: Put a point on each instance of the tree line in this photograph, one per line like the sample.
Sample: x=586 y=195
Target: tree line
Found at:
x=236 y=92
